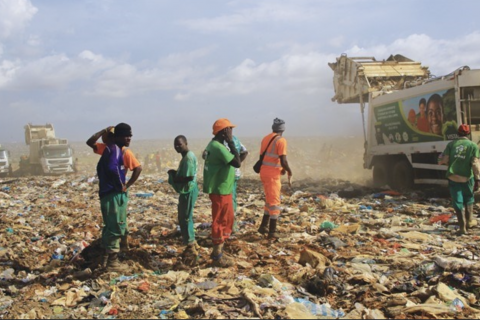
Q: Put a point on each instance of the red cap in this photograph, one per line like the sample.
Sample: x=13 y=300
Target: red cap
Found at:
x=464 y=129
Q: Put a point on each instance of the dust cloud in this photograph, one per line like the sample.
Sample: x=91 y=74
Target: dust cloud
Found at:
x=312 y=158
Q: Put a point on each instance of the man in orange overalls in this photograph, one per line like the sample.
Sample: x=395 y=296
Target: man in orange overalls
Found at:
x=274 y=165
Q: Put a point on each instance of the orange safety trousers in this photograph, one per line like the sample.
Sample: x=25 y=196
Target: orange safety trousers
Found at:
x=272 y=186
x=222 y=217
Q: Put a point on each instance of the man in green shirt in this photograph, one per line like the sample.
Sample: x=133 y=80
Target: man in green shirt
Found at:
x=184 y=181
x=463 y=173
x=218 y=181
x=243 y=152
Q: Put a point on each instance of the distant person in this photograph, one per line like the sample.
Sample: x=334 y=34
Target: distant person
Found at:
x=463 y=173
x=243 y=152
x=113 y=192
x=422 y=121
x=158 y=161
x=218 y=180
x=184 y=181
x=435 y=114
x=130 y=161
x=147 y=162
x=274 y=165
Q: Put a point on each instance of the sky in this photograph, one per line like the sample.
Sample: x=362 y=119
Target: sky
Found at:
x=174 y=67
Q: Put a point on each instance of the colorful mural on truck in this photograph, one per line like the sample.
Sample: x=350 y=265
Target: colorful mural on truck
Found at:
x=429 y=117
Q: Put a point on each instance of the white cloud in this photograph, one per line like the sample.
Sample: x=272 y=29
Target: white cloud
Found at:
x=7 y=72
x=296 y=72
x=14 y=16
x=266 y=11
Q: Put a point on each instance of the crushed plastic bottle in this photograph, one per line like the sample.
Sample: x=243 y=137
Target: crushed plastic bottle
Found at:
x=457 y=305
x=320 y=309
x=144 y=194
x=57 y=256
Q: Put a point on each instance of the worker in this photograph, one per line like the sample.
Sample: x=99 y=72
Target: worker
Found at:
x=184 y=181
x=130 y=161
x=158 y=161
x=274 y=165
x=243 y=152
x=218 y=180
x=463 y=174
x=113 y=193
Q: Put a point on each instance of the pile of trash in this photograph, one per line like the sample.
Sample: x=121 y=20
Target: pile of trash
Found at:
x=351 y=252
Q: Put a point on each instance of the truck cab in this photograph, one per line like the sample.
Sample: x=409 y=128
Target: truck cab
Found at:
x=5 y=163
x=48 y=154
x=57 y=158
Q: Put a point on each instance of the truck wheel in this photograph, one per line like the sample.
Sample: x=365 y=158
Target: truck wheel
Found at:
x=380 y=175
x=402 y=175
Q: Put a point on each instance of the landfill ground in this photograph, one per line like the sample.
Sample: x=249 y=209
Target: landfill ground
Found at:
x=351 y=251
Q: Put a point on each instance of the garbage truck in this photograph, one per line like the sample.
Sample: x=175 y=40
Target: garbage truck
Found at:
x=48 y=155
x=5 y=162
x=408 y=115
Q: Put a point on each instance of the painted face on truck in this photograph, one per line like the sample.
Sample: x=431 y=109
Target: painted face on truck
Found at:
x=435 y=114
x=422 y=108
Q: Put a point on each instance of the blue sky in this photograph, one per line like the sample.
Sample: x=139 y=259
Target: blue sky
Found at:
x=174 y=67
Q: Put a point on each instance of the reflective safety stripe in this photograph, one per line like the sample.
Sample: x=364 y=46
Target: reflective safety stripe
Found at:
x=274 y=216
x=271 y=153
x=271 y=164
x=272 y=210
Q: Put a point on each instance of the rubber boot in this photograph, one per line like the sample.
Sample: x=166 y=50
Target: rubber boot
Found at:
x=114 y=265
x=220 y=259
x=190 y=254
x=124 y=247
x=469 y=216
x=461 y=222
x=264 y=225
x=272 y=231
x=217 y=250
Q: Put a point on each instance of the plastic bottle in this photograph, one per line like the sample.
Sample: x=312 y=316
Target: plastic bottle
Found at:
x=321 y=309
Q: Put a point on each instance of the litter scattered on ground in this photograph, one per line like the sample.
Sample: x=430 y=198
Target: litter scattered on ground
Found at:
x=351 y=252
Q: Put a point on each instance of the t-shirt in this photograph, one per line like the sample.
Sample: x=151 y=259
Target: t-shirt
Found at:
x=240 y=148
x=460 y=153
x=271 y=162
x=111 y=171
x=129 y=159
x=186 y=168
x=218 y=174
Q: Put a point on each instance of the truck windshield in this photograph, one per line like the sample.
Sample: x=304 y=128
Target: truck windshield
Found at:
x=3 y=154
x=57 y=152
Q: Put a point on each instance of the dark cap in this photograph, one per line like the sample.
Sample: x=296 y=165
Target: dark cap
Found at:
x=123 y=130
